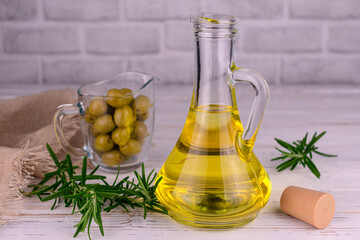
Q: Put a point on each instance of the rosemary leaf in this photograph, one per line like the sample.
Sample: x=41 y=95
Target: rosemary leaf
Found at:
x=91 y=199
x=300 y=152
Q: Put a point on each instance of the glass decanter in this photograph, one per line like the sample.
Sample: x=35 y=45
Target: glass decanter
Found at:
x=212 y=178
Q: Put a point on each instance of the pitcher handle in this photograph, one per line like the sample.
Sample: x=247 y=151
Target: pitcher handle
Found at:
x=258 y=108
x=62 y=110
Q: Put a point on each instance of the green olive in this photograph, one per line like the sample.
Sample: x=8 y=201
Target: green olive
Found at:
x=141 y=104
x=98 y=107
x=103 y=143
x=93 y=131
x=88 y=117
x=143 y=117
x=112 y=158
x=121 y=136
x=131 y=148
x=140 y=130
x=119 y=97
x=104 y=124
x=124 y=116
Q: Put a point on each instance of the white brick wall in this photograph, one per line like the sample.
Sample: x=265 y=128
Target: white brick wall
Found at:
x=18 y=10
x=325 y=9
x=174 y=69
x=177 y=36
x=41 y=40
x=318 y=70
x=344 y=38
x=18 y=71
x=77 y=10
x=79 y=70
x=149 y=10
x=122 y=40
x=247 y=9
x=288 y=38
x=77 y=41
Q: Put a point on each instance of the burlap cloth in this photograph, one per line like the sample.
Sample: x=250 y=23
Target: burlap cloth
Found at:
x=25 y=128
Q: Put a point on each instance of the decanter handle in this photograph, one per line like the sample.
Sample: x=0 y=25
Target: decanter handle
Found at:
x=258 y=108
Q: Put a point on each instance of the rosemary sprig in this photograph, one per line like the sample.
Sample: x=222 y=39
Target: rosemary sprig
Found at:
x=90 y=199
x=300 y=152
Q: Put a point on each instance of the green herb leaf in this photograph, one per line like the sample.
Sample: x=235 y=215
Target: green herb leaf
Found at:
x=300 y=152
x=91 y=199
x=83 y=171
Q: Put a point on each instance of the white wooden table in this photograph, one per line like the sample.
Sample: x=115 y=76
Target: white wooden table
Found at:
x=292 y=111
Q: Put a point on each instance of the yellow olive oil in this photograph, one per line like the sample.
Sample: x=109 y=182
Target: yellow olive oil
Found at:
x=207 y=180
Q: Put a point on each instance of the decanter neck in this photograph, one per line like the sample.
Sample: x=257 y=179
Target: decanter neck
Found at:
x=214 y=43
x=213 y=59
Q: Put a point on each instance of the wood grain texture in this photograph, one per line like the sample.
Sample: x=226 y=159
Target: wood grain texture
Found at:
x=292 y=111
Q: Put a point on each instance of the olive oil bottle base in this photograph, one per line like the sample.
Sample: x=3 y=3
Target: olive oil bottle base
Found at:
x=206 y=182
x=216 y=223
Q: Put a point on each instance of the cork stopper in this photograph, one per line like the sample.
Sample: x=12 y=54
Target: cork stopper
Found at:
x=313 y=207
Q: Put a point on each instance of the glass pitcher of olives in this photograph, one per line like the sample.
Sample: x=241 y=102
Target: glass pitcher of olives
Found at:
x=116 y=121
